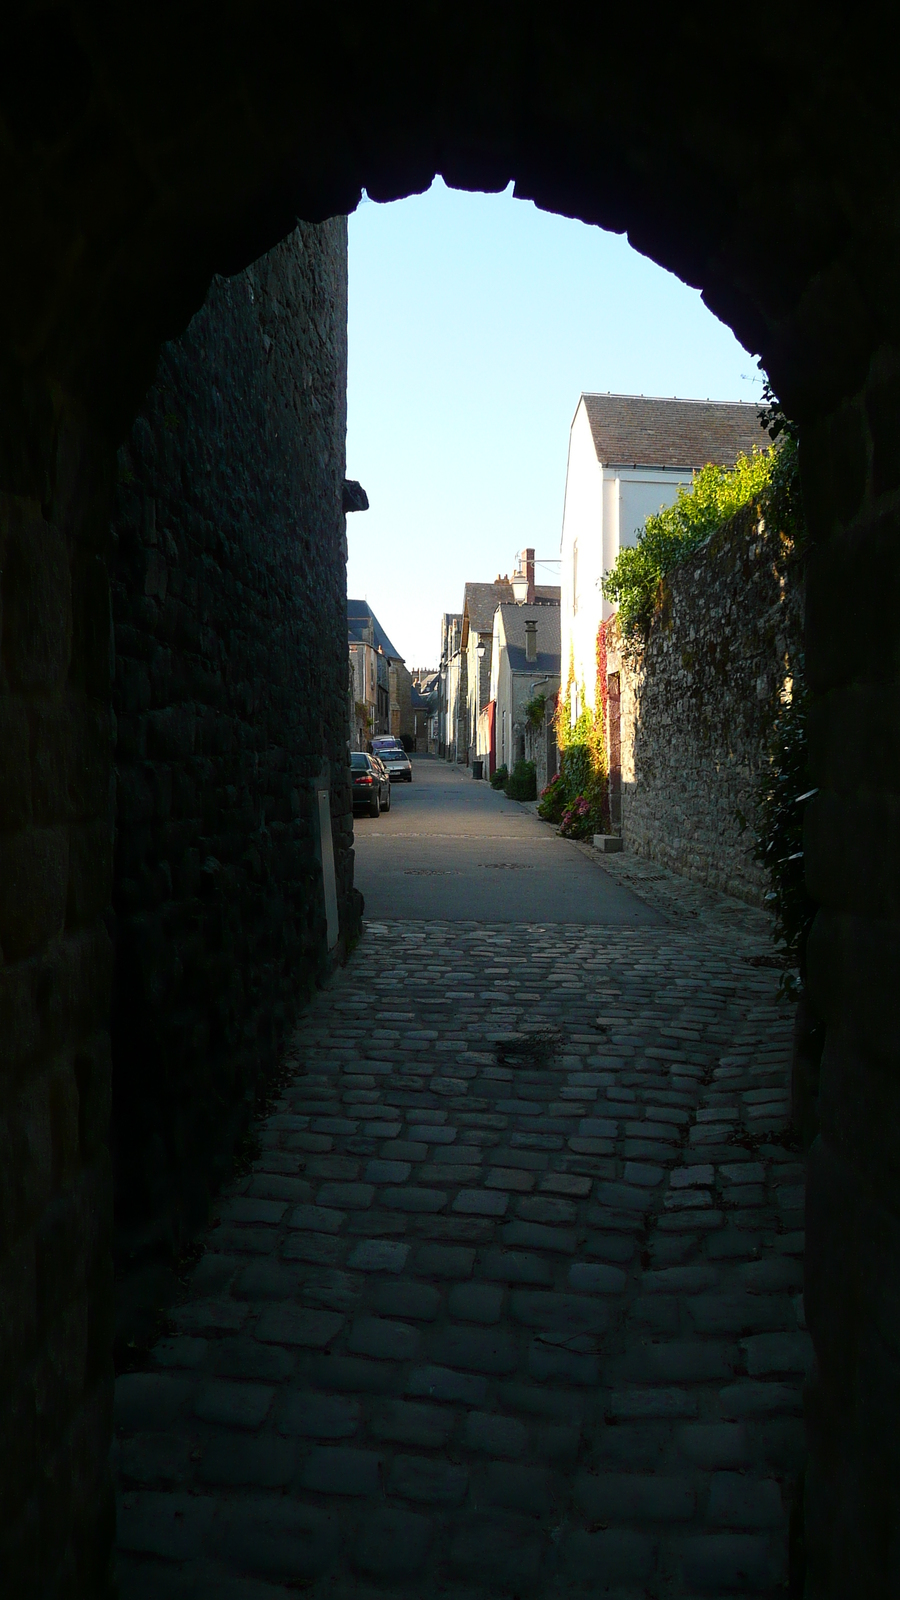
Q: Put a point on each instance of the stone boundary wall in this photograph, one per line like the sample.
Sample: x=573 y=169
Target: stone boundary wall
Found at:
x=229 y=603
x=698 y=698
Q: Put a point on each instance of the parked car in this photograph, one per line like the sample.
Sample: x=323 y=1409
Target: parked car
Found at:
x=370 y=782
x=398 y=765
x=385 y=741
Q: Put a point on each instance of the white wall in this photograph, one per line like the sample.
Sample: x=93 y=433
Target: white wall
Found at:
x=602 y=512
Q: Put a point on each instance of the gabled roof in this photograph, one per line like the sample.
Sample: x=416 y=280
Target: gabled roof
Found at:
x=547 y=618
x=480 y=601
x=359 y=614
x=639 y=430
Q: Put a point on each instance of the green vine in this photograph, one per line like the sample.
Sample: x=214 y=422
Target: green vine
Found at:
x=671 y=535
x=582 y=747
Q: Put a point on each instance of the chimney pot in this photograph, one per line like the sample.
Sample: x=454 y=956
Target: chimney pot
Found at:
x=531 y=641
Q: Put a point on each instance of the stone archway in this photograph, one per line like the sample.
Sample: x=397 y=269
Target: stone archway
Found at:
x=140 y=155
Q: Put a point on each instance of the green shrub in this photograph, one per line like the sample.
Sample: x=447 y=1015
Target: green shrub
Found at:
x=781 y=798
x=671 y=535
x=522 y=782
x=498 y=781
x=580 y=820
x=553 y=800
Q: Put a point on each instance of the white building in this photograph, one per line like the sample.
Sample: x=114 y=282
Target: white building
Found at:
x=524 y=664
x=628 y=456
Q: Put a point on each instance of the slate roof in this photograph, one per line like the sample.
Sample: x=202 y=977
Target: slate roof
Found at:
x=547 y=619
x=638 y=430
x=546 y=661
x=480 y=601
x=359 y=613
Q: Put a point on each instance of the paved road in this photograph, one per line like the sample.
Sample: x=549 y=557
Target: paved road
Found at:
x=509 y=1302
x=452 y=848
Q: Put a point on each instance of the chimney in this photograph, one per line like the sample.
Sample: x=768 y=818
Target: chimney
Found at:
x=531 y=641
x=523 y=579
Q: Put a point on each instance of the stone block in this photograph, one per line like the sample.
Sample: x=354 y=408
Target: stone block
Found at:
x=384 y=1340
x=276 y=1538
x=737 y=1500
x=245 y=1358
x=174 y=1527
x=392 y=1544
x=231 y=1461
x=609 y=1557
x=475 y=1350
x=317 y=1219
x=233 y=1405
x=481 y=1202
x=715 y=1444
x=441 y=1383
x=723 y=1562
x=444 y=1260
x=773 y=1353
x=319 y=1416
x=589 y=1277
x=636 y=1404
x=495 y=1435
x=497 y=1550
x=476 y=1302
x=748 y=1398
x=538 y=1236
x=378 y=1255
x=630 y=1497
x=297 y=1326
x=413 y=1199
x=347 y=1196
x=679 y=1361
x=518 y=1488
x=339 y=1469
x=405 y=1422
x=433 y=1482
x=551 y=1362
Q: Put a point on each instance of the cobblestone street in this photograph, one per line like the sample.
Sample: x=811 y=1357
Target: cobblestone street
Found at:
x=510 y=1299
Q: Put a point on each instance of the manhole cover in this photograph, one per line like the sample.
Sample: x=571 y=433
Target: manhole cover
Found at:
x=429 y=872
x=507 y=866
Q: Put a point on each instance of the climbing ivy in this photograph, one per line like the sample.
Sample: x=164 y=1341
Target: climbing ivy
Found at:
x=584 y=766
x=672 y=534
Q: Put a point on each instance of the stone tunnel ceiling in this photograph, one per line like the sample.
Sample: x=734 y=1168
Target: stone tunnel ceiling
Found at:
x=144 y=151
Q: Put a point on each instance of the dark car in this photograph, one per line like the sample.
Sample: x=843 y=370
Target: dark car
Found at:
x=370 y=782
x=398 y=765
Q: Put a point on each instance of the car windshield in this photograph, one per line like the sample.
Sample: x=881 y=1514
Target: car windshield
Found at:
x=359 y=761
x=393 y=755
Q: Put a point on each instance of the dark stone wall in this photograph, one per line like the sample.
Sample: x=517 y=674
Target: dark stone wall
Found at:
x=229 y=602
x=56 y=1509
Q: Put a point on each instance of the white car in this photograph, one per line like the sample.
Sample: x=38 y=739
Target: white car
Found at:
x=399 y=766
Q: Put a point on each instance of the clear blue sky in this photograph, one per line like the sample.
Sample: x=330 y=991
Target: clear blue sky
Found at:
x=475 y=323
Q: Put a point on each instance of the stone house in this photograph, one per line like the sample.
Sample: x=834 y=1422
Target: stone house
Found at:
x=454 y=688
x=389 y=692
x=628 y=457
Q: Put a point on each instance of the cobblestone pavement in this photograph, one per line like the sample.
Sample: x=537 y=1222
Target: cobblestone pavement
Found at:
x=509 y=1302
